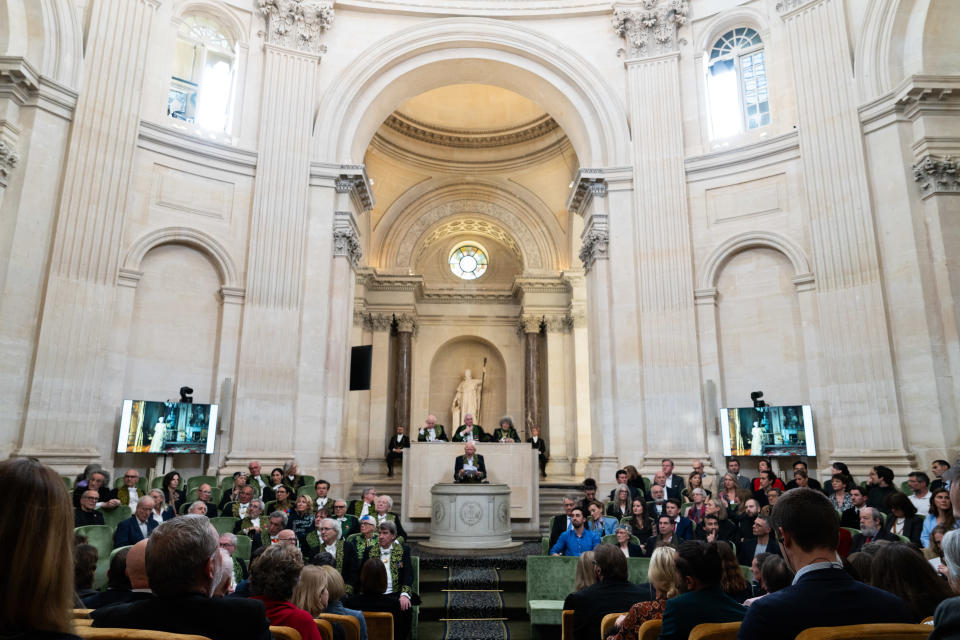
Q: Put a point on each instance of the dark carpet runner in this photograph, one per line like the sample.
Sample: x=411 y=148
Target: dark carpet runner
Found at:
x=474 y=605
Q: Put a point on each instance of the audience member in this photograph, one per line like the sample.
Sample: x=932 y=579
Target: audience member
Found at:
x=919 y=484
x=851 y=517
x=732 y=581
x=382 y=513
x=802 y=479
x=732 y=495
x=97 y=480
x=871 y=530
x=702 y=598
x=228 y=542
x=312 y=595
x=621 y=480
x=946 y=617
x=657 y=502
x=709 y=530
x=671 y=482
x=938 y=467
x=371 y=594
x=395 y=557
x=695 y=481
x=747 y=513
x=161 y=511
x=665 y=536
x=698 y=510
x=620 y=503
x=710 y=482
x=173 y=495
x=302 y=518
x=137 y=572
x=182 y=563
x=843 y=470
x=322 y=490
x=775 y=575
x=198 y=508
x=269 y=493
x=683 y=527
x=86 y=514
x=599 y=523
x=589 y=494
x=584 y=575
x=118 y=584
x=662 y=574
x=561 y=523
x=934 y=553
x=941 y=513
x=365 y=505
x=255 y=479
x=338 y=589
x=840 y=497
x=223 y=581
x=129 y=493
x=639 y=521
x=812 y=483
x=292 y=477
x=84 y=567
x=635 y=481
x=862 y=564
x=344 y=553
x=577 y=539
x=823 y=594
x=627 y=548
x=901 y=521
x=137 y=527
x=879 y=486
x=762 y=541
x=37 y=565
x=233 y=495
x=349 y=523
x=611 y=593
x=763 y=466
x=272 y=579
x=773 y=494
x=733 y=468
x=901 y=570
x=204 y=493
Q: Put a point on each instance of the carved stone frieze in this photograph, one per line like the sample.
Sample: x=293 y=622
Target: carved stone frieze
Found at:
x=377 y=321
x=297 y=24
x=936 y=175
x=595 y=246
x=470 y=138
x=8 y=160
x=650 y=30
x=558 y=324
x=530 y=323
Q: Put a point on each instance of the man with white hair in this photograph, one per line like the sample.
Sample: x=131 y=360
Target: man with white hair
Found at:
x=364 y=506
x=183 y=564
x=431 y=431
x=198 y=508
x=327 y=538
x=129 y=493
x=470 y=465
x=228 y=542
x=138 y=526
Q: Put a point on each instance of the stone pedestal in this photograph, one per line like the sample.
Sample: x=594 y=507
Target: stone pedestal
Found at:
x=470 y=516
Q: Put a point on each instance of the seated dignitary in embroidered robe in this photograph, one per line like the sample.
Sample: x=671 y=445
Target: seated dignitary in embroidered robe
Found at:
x=396 y=559
x=470 y=465
x=326 y=539
x=468 y=431
x=363 y=506
x=349 y=523
x=182 y=562
x=506 y=431
x=431 y=431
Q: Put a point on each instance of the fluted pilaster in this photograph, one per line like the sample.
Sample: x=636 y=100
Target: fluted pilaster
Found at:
x=65 y=401
x=856 y=364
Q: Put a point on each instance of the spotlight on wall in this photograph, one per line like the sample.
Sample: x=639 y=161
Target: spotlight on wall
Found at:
x=186 y=395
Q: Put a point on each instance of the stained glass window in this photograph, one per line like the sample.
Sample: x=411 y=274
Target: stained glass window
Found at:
x=737 y=89
x=468 y=262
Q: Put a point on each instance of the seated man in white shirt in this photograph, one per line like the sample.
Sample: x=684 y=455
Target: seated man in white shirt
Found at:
x=919 y=484
x=431 y=431
x=128 y=494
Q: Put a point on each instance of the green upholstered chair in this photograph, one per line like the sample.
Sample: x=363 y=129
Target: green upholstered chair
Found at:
x=113 y=517
x=101 y=537
x=244 y=547
x=67 y=481
x=549 y=580
x=308 y=481
x=196 y=481
x=637 y=569
x=224 y=525
x=612 y=539
x=157 y=483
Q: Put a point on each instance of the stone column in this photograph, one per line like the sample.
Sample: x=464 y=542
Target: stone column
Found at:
x=530 y=326
x=406 y=324
x=562 y=402
x=857 y=399
x=671 y=413
x=68 y=410
x=266 y=391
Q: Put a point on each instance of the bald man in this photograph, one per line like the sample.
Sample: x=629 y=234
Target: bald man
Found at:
x=470 y=465
x=431 y=431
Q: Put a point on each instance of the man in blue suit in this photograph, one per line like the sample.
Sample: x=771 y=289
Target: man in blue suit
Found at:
x=683 y=527
x=822 y=593
x=137 y=527
x=703 y=600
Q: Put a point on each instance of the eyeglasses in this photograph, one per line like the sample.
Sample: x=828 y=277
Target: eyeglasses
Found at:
x=134 y=477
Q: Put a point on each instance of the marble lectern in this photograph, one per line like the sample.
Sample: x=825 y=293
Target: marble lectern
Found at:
x=470 y=516
x=426 y=464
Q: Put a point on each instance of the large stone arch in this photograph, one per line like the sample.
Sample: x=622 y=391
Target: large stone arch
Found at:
x=406 y=226
x=722 y=253
x=47 y=33
x=203 y=242
x=442 y=52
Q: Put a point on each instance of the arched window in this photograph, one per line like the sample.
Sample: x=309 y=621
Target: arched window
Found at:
x=201 y=86
x=737 y=91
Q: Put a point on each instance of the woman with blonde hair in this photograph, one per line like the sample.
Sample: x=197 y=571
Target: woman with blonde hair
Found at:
x=36 y=566
x=337 y=589
x=664 y=578
x=585 y=575
x=302 y=517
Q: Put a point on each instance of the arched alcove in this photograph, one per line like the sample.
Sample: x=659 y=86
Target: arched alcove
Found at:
x=447 y=368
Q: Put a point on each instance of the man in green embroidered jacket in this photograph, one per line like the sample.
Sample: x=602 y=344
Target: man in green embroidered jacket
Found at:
x=396 y=559
x=326 y=538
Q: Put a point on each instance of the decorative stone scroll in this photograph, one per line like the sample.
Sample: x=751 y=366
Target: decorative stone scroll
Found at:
x=595 y=247
x=346 y=241
x=936 y=175
x=652 y=29
x=297 y=24
x=406 y=323
x=8 y=160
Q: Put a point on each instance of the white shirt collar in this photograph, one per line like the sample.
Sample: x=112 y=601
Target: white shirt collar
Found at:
x=816 y=566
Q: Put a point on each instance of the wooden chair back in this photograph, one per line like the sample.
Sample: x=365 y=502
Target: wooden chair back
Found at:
x=566 y=625
x=715 y=631
x=608 y=623
x=325 y=629
x=379 y=625
x=650 y=630
x=884 y=631
x=351 y=626
x=81 y=613
x=288 y=633
x=106 y=633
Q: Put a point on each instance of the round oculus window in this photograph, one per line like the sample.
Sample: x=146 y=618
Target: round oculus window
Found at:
x=468 y=262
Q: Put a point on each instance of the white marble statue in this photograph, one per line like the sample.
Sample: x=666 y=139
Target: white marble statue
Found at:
x=466 y=400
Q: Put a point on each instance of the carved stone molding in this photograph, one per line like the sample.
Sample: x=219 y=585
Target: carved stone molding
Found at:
x=650 y=29
x=357 y=184
x=787 y=7
x=377 y=321
x=8 y=160
x=530 y=323
x=590 y=184
x=595 y=247
x=346 y=239
x=297 y=24
x=406 y=323
x=471 y=138
x=558 y=324
x=936 y=174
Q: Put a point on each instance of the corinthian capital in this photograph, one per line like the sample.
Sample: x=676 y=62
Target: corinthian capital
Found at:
x=8 y=160
x=297 y=24
x=406 y=323
x=650 y=29
x=936 y=175
x=346 y=238
x=595 y=245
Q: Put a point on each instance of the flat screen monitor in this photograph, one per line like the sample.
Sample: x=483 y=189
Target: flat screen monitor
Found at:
x=768 y=431
x=147 y=426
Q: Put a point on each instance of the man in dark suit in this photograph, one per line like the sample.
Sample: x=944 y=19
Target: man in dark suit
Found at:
x=431 y=431
x=682 y=526
x=763 y=540
x=182 y=563
x=879 y=486
x=702 y=599
x=673 y=484
x=396 y=559
x=812 y=482
x=204 y=492
x=733 y=467
x=398 y=443
x=561 y=523
x=540 y=445
x=656 y=506
x=851 y=517
x=470 y=464
x=610 y=594
x=665 y=536
x=86 y=514
x=137 y=527
x=751 y=509
x=822 y=594
x=871 y=530
x=622 y=479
